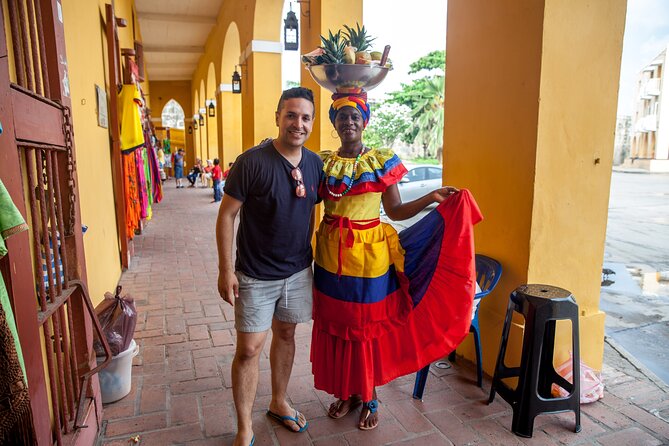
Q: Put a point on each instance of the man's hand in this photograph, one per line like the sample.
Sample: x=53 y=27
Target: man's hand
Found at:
x=228 y=286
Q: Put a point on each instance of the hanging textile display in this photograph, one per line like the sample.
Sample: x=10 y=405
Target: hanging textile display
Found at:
x=154 y=168
x=132 y=135
x=16 y=422
x=130 y=186
x=132 y=138
x=141 y=184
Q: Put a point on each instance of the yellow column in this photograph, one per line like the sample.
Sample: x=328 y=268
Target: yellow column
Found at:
x=324 y=16
x=530 y=111
x=230 y=125
x=261 y=89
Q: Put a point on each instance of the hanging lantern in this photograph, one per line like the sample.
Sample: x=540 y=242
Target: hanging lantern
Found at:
x=211 y=108
x=236 y=82
x=190 y=129
x=291 y=32
x=201 y=119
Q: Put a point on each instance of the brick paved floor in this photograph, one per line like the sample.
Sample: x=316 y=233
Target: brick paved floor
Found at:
x=181 y=378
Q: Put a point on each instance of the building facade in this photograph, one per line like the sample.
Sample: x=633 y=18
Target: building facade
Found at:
x=650 y=122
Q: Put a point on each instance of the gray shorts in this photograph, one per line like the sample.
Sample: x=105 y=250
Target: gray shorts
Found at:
x=289 y=300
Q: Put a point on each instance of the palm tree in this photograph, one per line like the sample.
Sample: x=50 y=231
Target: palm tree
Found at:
x=428 y=112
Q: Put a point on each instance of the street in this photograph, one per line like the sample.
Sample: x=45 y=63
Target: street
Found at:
x=637 y=251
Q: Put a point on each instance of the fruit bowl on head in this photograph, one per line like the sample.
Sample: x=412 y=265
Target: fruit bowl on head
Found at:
x=342 y=78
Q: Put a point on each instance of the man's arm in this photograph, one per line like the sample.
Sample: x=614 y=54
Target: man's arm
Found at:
x=228 y=287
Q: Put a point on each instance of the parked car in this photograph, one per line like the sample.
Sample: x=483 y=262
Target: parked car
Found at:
x=419 y=181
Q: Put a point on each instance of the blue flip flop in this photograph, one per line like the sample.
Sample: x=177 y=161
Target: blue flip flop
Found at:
x=283 y=419
x=253 y=441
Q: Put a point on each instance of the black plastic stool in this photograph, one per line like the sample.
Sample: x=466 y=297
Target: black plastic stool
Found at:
x=542 y=306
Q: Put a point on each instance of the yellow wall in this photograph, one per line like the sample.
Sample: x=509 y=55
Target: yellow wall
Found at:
x=574 y=159
x=87 y=61
x=261 y=80
x=87 y=67
x=524 y=140
x=229 y=106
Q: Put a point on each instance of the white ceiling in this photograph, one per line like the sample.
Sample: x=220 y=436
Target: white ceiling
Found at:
x=174 y=33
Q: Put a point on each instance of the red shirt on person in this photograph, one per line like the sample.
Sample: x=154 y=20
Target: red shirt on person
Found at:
x=217 y=173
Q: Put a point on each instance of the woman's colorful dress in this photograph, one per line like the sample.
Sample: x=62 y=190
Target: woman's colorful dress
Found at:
x=386 y=304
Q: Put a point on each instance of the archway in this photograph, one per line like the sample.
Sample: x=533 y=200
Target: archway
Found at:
x=173 y=115
x=231 y=104
x=212 y=122
x=203 y=129
x=196 y=132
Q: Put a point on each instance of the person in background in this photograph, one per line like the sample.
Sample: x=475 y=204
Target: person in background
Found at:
x=206 y=172
x=227 y=172
x=217 y=176
x=178 y=162
x=195 y=172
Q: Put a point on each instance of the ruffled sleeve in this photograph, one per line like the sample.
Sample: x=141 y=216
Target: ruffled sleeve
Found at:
x=376 y=170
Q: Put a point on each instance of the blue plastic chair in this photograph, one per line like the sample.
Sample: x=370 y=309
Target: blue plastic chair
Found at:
x=488 y=272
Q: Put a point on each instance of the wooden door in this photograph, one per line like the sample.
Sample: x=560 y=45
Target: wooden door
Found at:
x=38 y=167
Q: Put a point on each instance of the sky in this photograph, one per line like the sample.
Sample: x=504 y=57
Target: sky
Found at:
x=646 y=35
x=395 y=27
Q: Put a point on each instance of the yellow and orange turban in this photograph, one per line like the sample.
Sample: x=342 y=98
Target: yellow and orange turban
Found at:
x=355 y=100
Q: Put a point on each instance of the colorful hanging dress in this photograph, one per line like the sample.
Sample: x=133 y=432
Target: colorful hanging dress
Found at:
x=132 y=138
x=16 y=421
x=386 y=304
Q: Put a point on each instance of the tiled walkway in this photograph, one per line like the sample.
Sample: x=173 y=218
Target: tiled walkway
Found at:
x=181 y=378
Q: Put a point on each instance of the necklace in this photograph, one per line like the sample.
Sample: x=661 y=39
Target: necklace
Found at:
x=355 y=167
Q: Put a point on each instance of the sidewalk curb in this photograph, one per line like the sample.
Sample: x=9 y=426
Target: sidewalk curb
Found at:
x=637 y=365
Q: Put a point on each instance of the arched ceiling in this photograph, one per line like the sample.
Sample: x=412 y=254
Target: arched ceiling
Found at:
x=174 y=33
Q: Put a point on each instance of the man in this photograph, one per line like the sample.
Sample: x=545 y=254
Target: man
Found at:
x=275 y=186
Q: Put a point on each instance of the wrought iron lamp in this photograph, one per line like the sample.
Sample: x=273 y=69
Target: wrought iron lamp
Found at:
x=291 y=33
x=211 y=108
x=236 y=82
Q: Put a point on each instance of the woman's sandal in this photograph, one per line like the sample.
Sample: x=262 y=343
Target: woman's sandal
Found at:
x=371 y=406
x=336 y=406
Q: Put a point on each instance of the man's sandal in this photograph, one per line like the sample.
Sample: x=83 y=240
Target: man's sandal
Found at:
x=372 y=407
x=284 y=419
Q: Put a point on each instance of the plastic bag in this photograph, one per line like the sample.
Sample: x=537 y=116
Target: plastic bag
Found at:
x=118 y=317
x=592 y=387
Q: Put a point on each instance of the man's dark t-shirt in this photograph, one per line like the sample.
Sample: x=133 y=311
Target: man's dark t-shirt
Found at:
x=273 y=240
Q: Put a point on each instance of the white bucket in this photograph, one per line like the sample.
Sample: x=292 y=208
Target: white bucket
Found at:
x=115 y=379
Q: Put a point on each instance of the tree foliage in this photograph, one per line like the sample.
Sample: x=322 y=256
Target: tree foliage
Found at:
x=436 y=60
x=424 y=97
x=391 y=121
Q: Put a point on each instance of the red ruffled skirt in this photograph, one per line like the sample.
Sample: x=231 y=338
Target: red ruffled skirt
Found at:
x=370 y=330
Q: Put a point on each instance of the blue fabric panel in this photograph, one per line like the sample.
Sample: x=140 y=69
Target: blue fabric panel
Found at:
x=359 y=290
x=422 y=243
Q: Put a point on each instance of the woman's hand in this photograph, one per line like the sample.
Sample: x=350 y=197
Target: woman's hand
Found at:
x=441 y=194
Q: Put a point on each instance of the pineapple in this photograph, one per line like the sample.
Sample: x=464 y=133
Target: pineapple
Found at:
x=358 y=38
x=334 y=47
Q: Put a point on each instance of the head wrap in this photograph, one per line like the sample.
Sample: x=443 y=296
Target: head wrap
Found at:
x=351 y=99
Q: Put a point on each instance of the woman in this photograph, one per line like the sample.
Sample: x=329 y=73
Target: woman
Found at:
x=178 y=162
x=384 y=305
